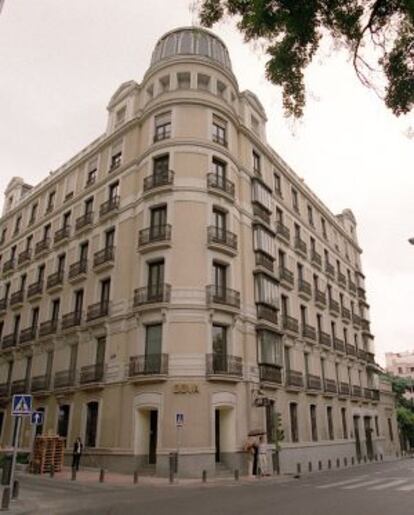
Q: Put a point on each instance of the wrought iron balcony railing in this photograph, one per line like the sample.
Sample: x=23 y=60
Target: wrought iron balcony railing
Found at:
x=9 y=341
x=106 y=255
x=344 y=388
x=27 y=335
x=48 y=327
x=300 y=245
x=24 y=257
x=110 y=206
x=17 y=298
x=86 y=220
x=320 y=297
x=148 y=365
x=40 y=383
x=282 y=231
x=72 y=319
x=42 y=246
x=313 y=382
x=223 y=364
x=290 y=324
x=316 y=258
x=221 y=295
x=62 y=234
x=92 y=374
x=218 y=182
x=270 y=373
x=35 y=289
x=155 y=233
x=309 y=332
x=98 y=310
x=64 y=379
x=77 y=269
x=152 y=294
x=217 y=235
x=159 y=179
x=330 y=386
x=55 y=279
x=325 y=339
x=339 y=345
x=286 y=275
x=294 y=378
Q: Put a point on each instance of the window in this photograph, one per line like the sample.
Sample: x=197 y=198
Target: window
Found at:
x=83 y=252
x=270 y=348
x=183 y=80
x=279 y=216
x=344 y=423
x=263 y=241
x=219 y=131
x=267 y=291
x=105 y=292
x=69 y=186
x=295 y=200
x=165 y=83
x=113 y=191
x=92 y=172
x=46 y=231
x=377 y=432
x=162 y=126
x=63 y=420
x=110 y=238
x=61 y=263
x=220 y=279
x=277 y=183
x=160 y=168
x=92 y=409
x=51 y=201
x=310 y=215
x=203 y=81
x=18 y=224
x=88 y=206
x=40 y=273
x=153 y=348
x=120 y=116
x=55 y=310
x=155 y=280
x=284 y=305
x=219 y=333
x=33 y=213
x=78 y=301
x=3 y=235
x=16 y=326
x=23 y=279
x=100 y=355
x=390 y=431
x=220 y=172
x=330 y=423
x=323 y=224
x=116 y=156
x=293 y=412
x=256 y=163
x=66 y=220
x=314 y=426
x=158 y=222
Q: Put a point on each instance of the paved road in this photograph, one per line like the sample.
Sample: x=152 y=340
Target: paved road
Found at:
x=378 y=489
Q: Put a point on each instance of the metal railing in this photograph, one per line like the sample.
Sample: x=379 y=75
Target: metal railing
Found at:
x=313 y=382
x=106 y=255
x=55 y=279
x=62 y=234
x=24 y=256
x=19 y=386
x=300 y=245
x=78 y=268
x=346 y=313
x=85 y=220
x=221 y=295
x=150 y=364
x=261 y=213
x=294 y=378
x=72 y=319
x=40 y=383
x=309 y=332
x=330 y=386
x=110 y=205
x=154 y=234
x=159 y=179
x=344 y=388
x=217 y=182
x=218 y=235
x=35 y=289
x=9 y=341
x=42 y=246
x=152 y=294
x=91 y=373
x=320 y=297
x=264 y=260
x=27 y=335
x=224 y=364
x=282 y=230
x=350 y=349
x=9 y=265
x=329 y=269
x=64 y=379
x=3 y=303
x=362 y=354
x=325 y=339
x=290 y=324
x=304 y=287
x=334 y=306
x=266 y=312
x=98 y=310
x=270 y=373
x=17 y=298
x=338 y=345
x=4 y=389
x=316 y=258
x=286 y=275
x=48 y=327
x=356 y=320
x=356 y=391
x=341 y=278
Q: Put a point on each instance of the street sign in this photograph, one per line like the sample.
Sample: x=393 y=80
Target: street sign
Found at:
x=37 y=418
x=22 y=405
x=179 y=419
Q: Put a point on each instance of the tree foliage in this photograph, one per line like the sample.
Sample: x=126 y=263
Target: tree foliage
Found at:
x=373 y=31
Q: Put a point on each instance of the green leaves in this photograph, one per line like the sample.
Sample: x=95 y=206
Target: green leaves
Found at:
x=293 y=29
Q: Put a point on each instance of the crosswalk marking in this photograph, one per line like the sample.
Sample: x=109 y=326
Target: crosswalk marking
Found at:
x=364 y=483
x=389 y=484
x=340 y=483
x=406 y=488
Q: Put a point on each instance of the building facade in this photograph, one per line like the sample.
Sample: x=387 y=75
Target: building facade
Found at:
x=402 y=364
x=176 y=284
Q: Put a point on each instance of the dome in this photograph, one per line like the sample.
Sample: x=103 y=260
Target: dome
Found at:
x=191 y=41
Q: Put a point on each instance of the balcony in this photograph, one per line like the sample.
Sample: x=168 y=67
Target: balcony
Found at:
x=341 y=279
x=220 y=239
x=367 y=393
x=48 y=328
x=304 y=289
x=154 y=237
x=64 y=379
x=3 y=304
x=361 y=293
x=264 y=261
x=330 y=386
x=343 y=389
x=157 y=180
x=110 y=207
x=224 y=296
x=309 y=332
x=330 y=269
x=286 y=277
x=339 y=345
x=350 y=350
x=365 y=325
x=300 y=247
x=35 y=291
x=55 y=281
x=325 y=339
x=346 y=315
x=356 y=391
x=333 y=307
x=261 y=213
x=27 y=335
x=224 y=367
x=352 y=287
x=316 y=258
x=62 y=235
x=40 y=384
x=42 y=247
x=9 y=266
x=320 y=298
x=78 y=271
x=313 y=382
x=362 y=355
x=92 y=374
x=19 y=387
x=283 y=232
x=148 y=368
x=90 y=181
x=356 y=321
x=294 y=379
x=17 y=299
x=290 y=324
x=71 y=320
x=104 y=259
x=270 y=373
x=220 y=185
x=24 y=257
x=96 y=311
x=9 y=341
x=84 y=222
x=266 y=312
x=4 y=390
x=370 y=357
x=154 y=294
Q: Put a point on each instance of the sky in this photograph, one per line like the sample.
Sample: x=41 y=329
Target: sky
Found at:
x=60 y=62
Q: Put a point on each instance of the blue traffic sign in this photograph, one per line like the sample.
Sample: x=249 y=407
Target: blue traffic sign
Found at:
x=22 y=405
x=37 y=418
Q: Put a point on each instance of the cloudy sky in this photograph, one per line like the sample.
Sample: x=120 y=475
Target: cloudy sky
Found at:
x=60 y=61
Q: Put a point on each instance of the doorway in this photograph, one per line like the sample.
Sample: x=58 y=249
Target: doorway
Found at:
x=217 y=433
x=368 y=438
x=357 y=439
x=153 y=437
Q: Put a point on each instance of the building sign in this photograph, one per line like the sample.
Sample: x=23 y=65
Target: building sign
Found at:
x=186 y=388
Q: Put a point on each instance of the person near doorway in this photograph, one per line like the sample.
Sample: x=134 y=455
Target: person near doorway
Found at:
x=77 y=453
x=262 y=461
x=250 y=447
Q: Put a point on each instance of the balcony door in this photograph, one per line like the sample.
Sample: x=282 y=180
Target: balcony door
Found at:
x=160 y=169
x=155 y=280
x=219 y=170
x=55 y=310
x=153 y=348
x=158 y=222
x=219 y=220
x=220 y=280
x=78 y=302
x=219 y=348
x=105 y=291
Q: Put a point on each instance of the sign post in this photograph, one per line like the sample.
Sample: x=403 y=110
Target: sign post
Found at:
x=21 y=406
x=179 y=423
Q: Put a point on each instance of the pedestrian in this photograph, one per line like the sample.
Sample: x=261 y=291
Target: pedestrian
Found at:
x=77 y=453
x=262 y=450
x=249 y=448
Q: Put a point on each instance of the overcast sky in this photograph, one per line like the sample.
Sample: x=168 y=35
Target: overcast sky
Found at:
x=60 y=62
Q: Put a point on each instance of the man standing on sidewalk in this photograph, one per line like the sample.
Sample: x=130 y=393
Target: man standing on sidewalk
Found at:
x=77 y=452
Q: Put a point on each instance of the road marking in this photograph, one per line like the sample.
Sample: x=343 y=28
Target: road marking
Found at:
x=340 y=483
x=406 y=488
x=364 y=483
x=389 y=484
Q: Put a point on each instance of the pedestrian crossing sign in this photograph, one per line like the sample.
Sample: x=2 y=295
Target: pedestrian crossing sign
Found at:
x=22 y=405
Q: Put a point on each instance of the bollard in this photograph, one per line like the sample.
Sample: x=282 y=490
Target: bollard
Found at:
x=52 y=470
x=298 y=468
x=172 y=466
x=204 y=476
x=352 y=460
x=320 y=465
x=329 y=464
x=338 y=463
x=101 y=475
x=5 y=500
x=310 y=466
x=236 y=475
x=345 y=462
x=15 y=489
x=73 y=474
x=135 y=477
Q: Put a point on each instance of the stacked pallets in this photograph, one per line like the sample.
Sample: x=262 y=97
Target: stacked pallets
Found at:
x=47 y=452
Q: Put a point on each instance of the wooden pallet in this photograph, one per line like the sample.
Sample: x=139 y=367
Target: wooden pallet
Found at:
x=47 y=452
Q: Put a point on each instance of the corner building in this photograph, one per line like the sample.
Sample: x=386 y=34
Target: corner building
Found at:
x=178 y=266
